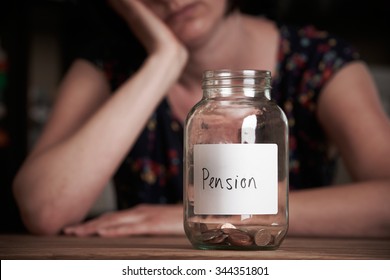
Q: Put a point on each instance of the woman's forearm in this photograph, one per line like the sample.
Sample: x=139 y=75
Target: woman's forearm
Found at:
x=57 y=186
x=353 y=210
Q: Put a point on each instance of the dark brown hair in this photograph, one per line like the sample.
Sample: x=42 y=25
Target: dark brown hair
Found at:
x=266 y=8
x=231 y=6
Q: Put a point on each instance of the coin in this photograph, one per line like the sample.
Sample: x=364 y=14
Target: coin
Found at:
x=226 y=225
x=262 y=237
x=218 y=239
x=279 y=237
x=202 y=227
x=211 y=234
x=199 y=227
x=231 y=230
x=240 y=238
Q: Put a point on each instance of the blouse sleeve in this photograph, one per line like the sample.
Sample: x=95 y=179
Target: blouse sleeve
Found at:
x=308 y=59
x=325 y=55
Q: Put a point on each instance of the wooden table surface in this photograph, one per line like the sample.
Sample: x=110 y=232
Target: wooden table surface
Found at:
x=178 y=247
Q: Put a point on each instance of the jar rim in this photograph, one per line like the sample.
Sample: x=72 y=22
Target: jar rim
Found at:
x=236 y=73
x=231 y=78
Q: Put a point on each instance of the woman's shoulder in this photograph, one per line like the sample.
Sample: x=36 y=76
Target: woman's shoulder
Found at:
x=315 y=42
x=302 y=31
x=308 y=57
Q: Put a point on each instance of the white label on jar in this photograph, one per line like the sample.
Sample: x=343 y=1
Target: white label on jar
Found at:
x=235 y=179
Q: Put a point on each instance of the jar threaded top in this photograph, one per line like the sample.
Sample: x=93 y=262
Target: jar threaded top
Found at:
x=256 y=79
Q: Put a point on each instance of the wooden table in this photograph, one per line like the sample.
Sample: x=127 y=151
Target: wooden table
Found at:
x=177 y=247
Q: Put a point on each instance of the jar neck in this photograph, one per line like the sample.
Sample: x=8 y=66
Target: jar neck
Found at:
x=236 y=83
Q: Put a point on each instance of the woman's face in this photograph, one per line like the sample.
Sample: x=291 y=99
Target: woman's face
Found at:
x=191 y=20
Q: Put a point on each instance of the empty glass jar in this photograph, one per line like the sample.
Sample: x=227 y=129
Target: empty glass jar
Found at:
x=236 y=164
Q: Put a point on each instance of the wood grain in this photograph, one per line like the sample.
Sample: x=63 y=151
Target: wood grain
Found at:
x=178 y=247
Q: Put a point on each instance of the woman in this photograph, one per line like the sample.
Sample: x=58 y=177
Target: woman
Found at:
x=332 y=103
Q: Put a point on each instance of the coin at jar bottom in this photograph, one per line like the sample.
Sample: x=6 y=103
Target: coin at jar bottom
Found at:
x=218 y=239
x=209 y=235
x=226 y=225
x=262 y=237
x=231 y=230
x=240 y=239
x=199 y=227
x=202 y=227
x=279 y=236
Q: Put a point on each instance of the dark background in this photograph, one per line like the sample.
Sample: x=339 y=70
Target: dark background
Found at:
x=363 y=23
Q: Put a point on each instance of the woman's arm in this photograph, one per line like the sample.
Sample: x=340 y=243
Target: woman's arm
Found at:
x=90 y=133
x=350 y=112
x=353 y=118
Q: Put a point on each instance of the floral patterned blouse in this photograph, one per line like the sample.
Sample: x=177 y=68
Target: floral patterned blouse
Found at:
x=307 y=59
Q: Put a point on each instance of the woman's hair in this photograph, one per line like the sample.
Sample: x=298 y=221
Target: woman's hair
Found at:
x=231 y=6
x=266 y=8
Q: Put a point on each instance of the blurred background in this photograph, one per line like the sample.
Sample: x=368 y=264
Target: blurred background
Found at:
x=39 y=39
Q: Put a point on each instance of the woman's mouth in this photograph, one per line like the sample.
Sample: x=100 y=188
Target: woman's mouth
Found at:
x=182 y=13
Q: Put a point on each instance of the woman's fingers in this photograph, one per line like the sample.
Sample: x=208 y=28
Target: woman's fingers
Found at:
x=149 y=29
x=141 y=220
x=105 y=221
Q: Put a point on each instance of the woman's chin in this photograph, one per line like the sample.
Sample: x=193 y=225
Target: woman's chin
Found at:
x=191 y=36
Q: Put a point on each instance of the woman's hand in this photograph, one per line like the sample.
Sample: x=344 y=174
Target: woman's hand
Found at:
x=140 y=220
x=153 y=33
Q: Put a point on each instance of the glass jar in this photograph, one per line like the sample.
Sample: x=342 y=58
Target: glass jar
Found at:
x=236 y=164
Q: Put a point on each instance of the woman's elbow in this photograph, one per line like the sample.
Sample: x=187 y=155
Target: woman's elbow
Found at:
x=38 y=217
x=40 y=223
